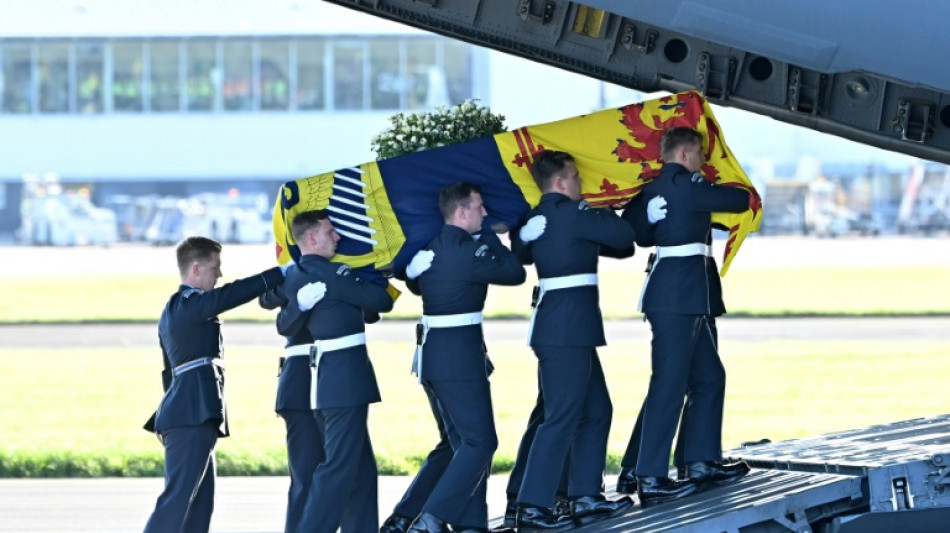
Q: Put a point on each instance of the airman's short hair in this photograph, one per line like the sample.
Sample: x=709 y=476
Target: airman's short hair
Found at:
x=193 y=249
x=675 y=138
x=546 y=165
x=305 y=221
x=456 y=195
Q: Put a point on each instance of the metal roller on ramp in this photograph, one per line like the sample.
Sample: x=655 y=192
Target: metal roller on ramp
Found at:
x=885 y=478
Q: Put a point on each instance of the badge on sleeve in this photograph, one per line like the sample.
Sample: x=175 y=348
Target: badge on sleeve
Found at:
x=344 y=270
x=482 y=251
x=583 y=205
x=697 y=177
x=189 y=291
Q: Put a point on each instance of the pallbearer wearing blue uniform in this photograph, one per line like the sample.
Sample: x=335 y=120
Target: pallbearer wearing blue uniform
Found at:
x=304 y=440
x=456 y=269
x=343 y=383
x=192 y=415
x=681 y=298
x=410 y=506
x=566 y=329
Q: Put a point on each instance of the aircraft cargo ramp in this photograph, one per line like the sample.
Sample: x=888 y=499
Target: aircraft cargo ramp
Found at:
x=887 y=478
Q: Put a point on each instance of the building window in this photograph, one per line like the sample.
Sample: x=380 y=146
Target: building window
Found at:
x=89 y=77
x=273 y=67
x=127 y=71
x=423 y=75
x=386 y=83
x=310 y=74
x=164 y=65
x=232 y=74
x=53 y=74
x=16 y=78
x=348 y=76
x=236 y=83
x=457 y=63
x=203 y=72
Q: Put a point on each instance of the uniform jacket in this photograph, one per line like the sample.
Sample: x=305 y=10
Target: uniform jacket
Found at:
x=573 y=239
x=345 y=377
x=293 y=384
x=456 y=283
x=684 y=285
x=189 y=329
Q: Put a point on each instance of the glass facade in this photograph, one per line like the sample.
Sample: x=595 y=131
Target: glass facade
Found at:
x=52 y=78
x=16 y=78
x=127 y=76
x=273 y=72
x=164 y=75
x=89 y=77
x=211 y=75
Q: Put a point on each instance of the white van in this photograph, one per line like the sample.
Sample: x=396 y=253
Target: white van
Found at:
x=70 y=220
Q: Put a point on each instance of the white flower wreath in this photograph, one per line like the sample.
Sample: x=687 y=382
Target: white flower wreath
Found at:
x=413 y=132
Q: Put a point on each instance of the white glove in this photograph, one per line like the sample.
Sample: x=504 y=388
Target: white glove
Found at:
x=533 y=229
x=656 y=209
x=285 y=267
x=420 y=263
x=310 y=294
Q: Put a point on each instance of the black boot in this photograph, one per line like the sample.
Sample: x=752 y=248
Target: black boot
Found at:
x=511 y=513
x=396 y=524
x=426 y=523
x=587 y=509
x=627 y=481
x=533 y=519
x=716 y=473
x=562 y=505
x=652 y=490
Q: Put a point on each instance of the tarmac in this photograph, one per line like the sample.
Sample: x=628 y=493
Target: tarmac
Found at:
x=123 y=505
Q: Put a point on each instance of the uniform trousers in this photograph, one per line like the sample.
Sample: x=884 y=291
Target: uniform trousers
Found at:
x=577 y=415
x=304 y=453
x=685 y=358
x=410 y=506
x=343 y=490
x=517 y=471
x=186 y=503
x=459 y=497
x=633 y=445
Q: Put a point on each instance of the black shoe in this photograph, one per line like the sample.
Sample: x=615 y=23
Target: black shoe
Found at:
x=681 y=473
x=532 y=519
x=426 y=523
x=587 y=509
x=716 y=473
x=652 y=490
x=511 y=513
x=627 y=481
x=562 y=505
x=395 y=524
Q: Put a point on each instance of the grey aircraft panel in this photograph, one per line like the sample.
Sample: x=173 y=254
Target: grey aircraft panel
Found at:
x=902 y=41
x=872 y=71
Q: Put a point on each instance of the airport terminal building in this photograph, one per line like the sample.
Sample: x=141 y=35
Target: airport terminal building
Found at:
x=157 y=97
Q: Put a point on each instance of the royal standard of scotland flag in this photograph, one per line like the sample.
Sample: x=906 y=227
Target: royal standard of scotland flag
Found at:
x=385 y=211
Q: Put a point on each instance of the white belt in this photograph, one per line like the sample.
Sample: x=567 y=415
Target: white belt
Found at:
x=297 y=350
x=440 y=321
x=193 y=364
x=681 y=250
x=684 y=250
x=553 y=284
x=319 y=347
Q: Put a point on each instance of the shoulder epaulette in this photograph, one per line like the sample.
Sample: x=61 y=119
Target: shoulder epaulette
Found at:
x=189 y=291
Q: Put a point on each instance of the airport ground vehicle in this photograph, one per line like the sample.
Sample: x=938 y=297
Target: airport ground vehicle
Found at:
x=69 y=220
